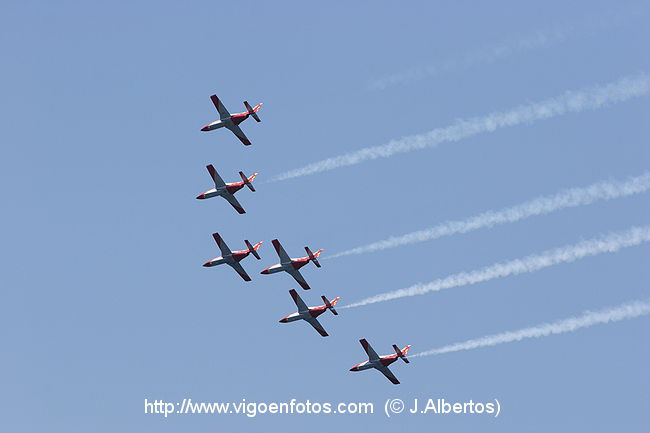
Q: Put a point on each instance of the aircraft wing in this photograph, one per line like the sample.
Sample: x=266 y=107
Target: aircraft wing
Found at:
x=225 y=251
x=239 y=133
x=389 y=374
x=284 y=257
x=240 y=270
x=298 y=301
x=317 y=326
x=234 y=203
x=218 y=181
x=299 y=279
x=372 y=355
x=223 y=113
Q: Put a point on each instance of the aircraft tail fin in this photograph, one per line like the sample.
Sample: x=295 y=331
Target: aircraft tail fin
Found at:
x=253 y=110
x=402 y=353
x=330 y=305
x=248 y=181
x=314 y=256
x=253 y=248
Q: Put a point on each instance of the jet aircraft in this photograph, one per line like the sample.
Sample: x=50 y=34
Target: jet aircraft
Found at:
x=232 y=258
x=227 y=190
x=310 y=314
x=232 y=121
x=291 y=266
x=381 y=363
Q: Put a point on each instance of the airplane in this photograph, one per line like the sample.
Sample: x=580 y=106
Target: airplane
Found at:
x=309 y=314
x=381 y=363
x=227 y=190
x=291 y=266
x=233 y=258
x=232 y=121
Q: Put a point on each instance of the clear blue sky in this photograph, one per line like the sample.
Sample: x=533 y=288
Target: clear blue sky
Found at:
x=104 y=300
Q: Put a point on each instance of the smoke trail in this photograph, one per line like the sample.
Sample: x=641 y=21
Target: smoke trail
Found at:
x=492 y=53
x=569 y=102
x=629 y=310
x=484 y=55
x=572 y=197
x=609 y=243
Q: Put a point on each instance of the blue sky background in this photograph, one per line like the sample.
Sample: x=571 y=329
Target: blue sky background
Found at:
x=104 y=300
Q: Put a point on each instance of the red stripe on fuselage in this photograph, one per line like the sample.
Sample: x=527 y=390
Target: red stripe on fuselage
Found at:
x=388 y=360
x=238 y=118
x=317 y=311
x=240 y=255
x=234 y=187
x=299 y=263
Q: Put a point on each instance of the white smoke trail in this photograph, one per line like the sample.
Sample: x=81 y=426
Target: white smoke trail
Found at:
x=567 y=198
x=492 y=53
x=483 y=55
x=609 y=243
x=628 y=310
x=570 y=102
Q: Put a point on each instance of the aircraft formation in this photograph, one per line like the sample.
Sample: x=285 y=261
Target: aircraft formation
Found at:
x=287 y=264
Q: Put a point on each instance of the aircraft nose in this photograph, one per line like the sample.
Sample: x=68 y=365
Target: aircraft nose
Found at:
x=200 y=197
x=205 y=128
x=265 y=272
x=283 y=320
x=207 y=264
x=354 y=368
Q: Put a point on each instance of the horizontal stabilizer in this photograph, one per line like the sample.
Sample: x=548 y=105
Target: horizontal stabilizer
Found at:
x=253 y=249
x=314 y=256
x=253 y=111
x=402 y=353
x=330 y=305
x=248 y=180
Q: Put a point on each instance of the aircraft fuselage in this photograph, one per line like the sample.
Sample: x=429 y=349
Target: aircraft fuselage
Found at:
x=214 y=192
x=384 y=361
x=312 y=313
x=234 y=119
x=294 y=264
x=236 y=256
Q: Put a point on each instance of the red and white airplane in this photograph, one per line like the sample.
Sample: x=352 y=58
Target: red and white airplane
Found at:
x=381 y=363
x=227 y=190
x=232 y=121
x=309 y=314
x=232 y=258
x=291 y=266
